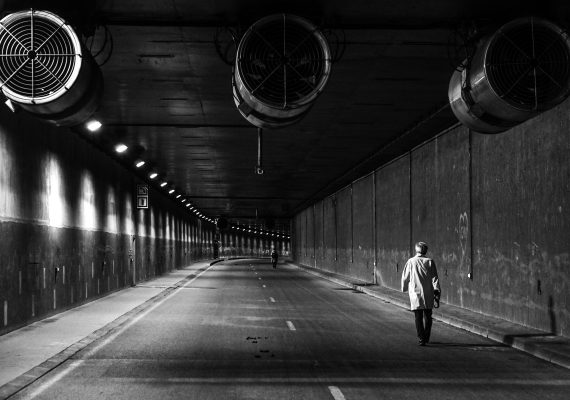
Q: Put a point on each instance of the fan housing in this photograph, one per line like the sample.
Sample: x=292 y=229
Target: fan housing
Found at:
x=282 y=65
x=520 y=71
x=45 y=70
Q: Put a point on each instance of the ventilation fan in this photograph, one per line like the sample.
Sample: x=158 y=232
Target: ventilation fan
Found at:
x=44 y=69
x=283 y=63
x=521 y=70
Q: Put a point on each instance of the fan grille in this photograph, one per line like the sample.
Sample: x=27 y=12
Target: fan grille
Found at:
x=284 y=61
x=40 y=56
x=527 y=64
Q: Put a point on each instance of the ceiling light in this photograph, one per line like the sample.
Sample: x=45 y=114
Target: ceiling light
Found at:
x=121 y=148
x=171 y=191
x=179 y=196
x=139 y=163
x=184 y=201
x=153 y=175
x=163 y=184
x=93 y=125
x=187 y=204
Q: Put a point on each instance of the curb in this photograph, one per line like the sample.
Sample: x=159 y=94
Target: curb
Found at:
x=525 y=343
x=21 y=382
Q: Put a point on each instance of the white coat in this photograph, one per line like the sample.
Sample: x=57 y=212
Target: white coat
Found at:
x=420 y=279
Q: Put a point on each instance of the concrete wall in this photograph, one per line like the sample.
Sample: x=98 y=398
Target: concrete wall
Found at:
x=496 y=206
x=69 y=230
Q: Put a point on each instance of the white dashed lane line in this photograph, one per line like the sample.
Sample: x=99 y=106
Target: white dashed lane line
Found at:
x=291 y=326
x=271 y=299
x=336 y=393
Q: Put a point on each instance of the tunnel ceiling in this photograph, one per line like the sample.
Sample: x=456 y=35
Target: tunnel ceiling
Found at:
x=169 y=90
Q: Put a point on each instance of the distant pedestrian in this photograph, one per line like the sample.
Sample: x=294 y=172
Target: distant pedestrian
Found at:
x=420 y=280
x=274 y=258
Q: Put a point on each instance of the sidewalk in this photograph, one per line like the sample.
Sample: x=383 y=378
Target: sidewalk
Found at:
x=555 y=349
x=30 y=352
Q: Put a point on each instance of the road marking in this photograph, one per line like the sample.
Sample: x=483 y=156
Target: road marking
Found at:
x=291 y=326
x=73 y=365
x=340 y=380
x=272 y=299
x=44 y=386
x=336 y=393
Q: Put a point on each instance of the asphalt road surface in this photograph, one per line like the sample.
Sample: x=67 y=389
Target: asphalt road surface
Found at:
x=242 y=330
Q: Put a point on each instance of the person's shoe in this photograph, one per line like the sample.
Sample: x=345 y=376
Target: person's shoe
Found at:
x=421 y=343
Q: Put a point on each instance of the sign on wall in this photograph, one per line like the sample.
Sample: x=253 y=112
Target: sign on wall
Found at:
x=142 y=196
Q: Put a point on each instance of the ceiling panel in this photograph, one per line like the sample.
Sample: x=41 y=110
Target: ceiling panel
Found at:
x=168 y=92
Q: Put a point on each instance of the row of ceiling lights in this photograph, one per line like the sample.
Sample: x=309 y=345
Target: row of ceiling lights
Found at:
x=278 y=235
x=121 y=148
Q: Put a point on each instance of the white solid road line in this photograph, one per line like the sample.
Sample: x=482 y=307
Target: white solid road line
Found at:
x=75 y=364
x=291 y=326
x=336 y=393
x=338 y=380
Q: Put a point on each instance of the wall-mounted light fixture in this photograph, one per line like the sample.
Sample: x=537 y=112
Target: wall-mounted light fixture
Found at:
x=13 y=107
x=121 y=148
x=93 y=125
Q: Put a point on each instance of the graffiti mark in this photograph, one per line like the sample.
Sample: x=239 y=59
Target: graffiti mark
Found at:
x=534 y=249
x=463 y=234
x=463 y=230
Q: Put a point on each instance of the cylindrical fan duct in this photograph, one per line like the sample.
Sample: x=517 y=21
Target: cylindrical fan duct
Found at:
x=283 y=63
x=45 y=70
x=518 y=72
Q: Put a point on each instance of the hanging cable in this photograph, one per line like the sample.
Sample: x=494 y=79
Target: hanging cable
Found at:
x=259 y=167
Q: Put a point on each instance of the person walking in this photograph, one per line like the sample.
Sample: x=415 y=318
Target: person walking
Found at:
x=274 y=258
x=421 y=282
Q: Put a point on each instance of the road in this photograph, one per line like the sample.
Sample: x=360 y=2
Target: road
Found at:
x=242 y=330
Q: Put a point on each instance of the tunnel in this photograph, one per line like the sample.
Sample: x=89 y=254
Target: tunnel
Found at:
x=237 y=200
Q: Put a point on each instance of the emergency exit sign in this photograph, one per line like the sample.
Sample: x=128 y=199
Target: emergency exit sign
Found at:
x=142 y=196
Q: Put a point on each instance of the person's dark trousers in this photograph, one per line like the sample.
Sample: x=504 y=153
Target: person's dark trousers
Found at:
x=423 y=330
